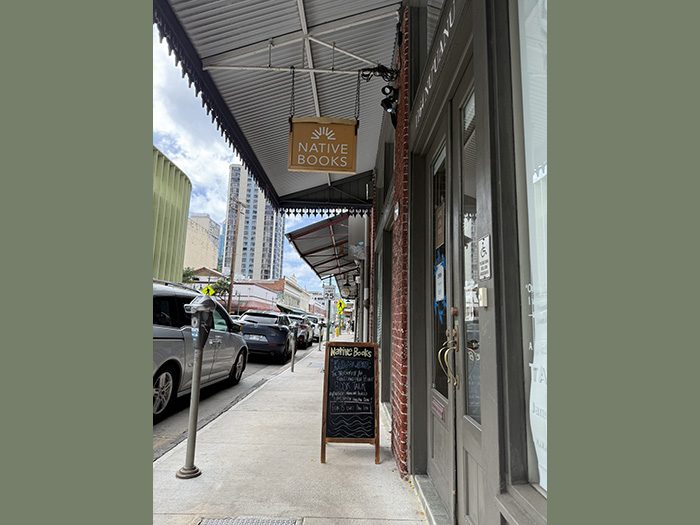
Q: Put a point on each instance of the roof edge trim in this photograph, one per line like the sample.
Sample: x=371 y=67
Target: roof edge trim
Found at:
x=185 y=55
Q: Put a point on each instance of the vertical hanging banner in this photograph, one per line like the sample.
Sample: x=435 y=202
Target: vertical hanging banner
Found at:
x=350 y=395
x=328 y=145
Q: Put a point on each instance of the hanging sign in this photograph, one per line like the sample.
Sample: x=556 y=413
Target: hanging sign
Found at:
x=440 y=226
x=328 y=145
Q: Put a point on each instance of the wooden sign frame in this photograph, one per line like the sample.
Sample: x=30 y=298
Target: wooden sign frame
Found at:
x=372 y=441
x=332 y=142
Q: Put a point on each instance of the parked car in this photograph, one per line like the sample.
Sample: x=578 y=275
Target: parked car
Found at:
x=303 y=330
x=224 y=357
x=315 y=327
x=267 y=333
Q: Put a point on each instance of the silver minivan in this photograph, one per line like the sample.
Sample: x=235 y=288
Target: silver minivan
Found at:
x=224 y=357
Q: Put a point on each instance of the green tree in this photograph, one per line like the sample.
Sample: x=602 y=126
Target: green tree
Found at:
x=221 y=287
x=188 y=275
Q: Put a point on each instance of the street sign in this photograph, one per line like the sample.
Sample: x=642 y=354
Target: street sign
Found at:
x=208 y=290
x=341 y=306
x=329 y=292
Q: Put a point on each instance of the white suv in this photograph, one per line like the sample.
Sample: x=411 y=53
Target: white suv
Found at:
x=224 y=357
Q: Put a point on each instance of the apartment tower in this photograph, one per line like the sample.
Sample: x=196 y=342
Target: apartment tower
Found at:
x=257 y=230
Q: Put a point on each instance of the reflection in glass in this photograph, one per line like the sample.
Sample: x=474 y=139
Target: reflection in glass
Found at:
x=439 y=295
x=471 y=297
x=532 y=16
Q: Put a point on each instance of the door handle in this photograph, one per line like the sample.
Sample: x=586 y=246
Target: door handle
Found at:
x=443 y=349
x=451 y=375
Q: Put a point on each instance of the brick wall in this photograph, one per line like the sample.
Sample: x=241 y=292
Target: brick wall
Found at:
x=399 y=320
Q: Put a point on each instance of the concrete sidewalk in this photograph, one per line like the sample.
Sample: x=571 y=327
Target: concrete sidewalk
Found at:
x=262 y=459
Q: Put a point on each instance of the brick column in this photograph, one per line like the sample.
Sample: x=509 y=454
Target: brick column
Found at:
x=399 y=319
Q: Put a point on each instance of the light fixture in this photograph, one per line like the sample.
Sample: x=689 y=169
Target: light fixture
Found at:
x=349 y=289
x=388 y=104
x=390 y=90
x=392 y=97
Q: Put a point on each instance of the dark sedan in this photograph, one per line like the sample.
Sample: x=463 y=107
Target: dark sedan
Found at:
x=267 y=333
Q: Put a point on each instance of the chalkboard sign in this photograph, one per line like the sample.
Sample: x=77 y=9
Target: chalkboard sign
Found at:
x=350 y=400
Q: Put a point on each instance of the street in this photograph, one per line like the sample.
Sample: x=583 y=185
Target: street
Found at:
x=216 y=399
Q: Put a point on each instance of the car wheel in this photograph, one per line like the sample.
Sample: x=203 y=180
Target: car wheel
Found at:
x=164 y=391
x=237 y=369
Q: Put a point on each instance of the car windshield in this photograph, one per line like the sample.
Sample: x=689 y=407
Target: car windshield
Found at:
x=259 y=318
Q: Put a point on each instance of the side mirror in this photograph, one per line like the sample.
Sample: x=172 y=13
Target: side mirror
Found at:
x=237 y=328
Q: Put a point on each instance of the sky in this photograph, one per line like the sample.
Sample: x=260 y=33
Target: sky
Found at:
x=184 y=132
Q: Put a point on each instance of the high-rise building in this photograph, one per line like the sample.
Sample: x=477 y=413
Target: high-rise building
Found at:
x=257 y=230
x=202 y=246
x=212 y=227
x=222 y=241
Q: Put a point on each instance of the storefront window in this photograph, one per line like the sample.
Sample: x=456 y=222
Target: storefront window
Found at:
x=439 y=277
x=470 y=261
x=532 y=16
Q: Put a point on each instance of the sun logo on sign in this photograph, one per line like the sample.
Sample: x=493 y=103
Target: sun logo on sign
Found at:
x=323 y=130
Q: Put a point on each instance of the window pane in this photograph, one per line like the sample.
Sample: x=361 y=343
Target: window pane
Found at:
x=439 y=285
x=162 y=312
x=471 y=269
x=533 y=49
x=219 y=321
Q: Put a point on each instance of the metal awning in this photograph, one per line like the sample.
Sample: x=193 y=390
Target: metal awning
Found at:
x=290 y=310
x=325 y=246
x=238 y=56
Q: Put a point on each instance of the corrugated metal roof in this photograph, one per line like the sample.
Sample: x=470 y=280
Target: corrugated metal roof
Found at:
x=252 y=107
x=324 y=245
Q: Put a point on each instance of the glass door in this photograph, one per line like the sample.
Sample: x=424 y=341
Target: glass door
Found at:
x=466 y=329
x=441 y=391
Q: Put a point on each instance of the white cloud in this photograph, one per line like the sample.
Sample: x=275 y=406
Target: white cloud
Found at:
x=183 y=131
x=294 y=222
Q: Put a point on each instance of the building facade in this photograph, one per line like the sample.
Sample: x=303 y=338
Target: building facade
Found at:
x=459 y=293
x=222 y=241
x=454 y=285
x=256 y=230
x=171 y=204
x=202 y=245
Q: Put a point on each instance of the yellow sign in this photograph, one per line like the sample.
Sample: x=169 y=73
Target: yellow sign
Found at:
x=328 y=145
x=341 y=305
x=208 y=290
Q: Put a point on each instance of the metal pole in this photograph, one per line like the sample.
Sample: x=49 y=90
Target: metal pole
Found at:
x=328 y=322
x=190 y=470
x=283 y=69
x=294 y=353
x=233 y=250
x=200 y=334
x=328 y=319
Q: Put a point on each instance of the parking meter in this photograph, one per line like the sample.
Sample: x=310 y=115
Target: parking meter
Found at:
x=202 y=320
x=200 y=309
